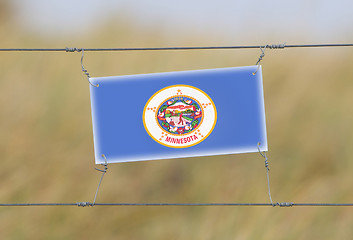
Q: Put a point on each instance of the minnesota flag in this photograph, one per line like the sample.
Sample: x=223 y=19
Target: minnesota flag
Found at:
x=178 y=114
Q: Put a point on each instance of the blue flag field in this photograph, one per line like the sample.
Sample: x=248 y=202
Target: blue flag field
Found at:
x=178 y=114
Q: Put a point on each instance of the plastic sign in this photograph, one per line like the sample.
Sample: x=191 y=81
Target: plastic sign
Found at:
x=178 y=114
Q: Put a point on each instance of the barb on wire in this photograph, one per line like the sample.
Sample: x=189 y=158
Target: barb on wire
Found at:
x=103 y=172
x=276 y=46
x=82 y=67
x=263 y=154
x=67 y=49
x=84 y=204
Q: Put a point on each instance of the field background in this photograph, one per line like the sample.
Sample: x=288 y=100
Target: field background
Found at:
x=46 y=144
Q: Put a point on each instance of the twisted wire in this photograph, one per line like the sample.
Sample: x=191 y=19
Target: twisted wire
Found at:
x=263 y=154
x=82 y=67
x=103 y=172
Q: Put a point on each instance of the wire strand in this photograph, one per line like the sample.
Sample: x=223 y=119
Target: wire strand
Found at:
x=263 y=154
x=104 y=171
x=87 y=204
x=271 y=46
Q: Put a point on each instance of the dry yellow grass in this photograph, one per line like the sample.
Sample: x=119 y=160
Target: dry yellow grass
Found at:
x=46 y=147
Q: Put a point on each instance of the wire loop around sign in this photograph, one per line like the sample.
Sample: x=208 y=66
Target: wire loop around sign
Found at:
x=84 y=70
x=260 y=59
x=263 y=154
x=105 y=164
x=263 y=48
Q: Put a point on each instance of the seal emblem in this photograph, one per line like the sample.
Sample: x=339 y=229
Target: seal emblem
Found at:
x=179 y=116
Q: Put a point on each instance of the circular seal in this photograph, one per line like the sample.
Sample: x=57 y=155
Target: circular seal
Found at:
x=179 y=116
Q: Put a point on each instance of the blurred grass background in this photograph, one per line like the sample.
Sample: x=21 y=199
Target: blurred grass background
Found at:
x=46 y=145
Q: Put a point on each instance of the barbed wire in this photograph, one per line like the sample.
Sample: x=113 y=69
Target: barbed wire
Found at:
x=270 y=46
x=89 y=204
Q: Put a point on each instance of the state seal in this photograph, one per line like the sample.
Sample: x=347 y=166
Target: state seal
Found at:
x=179 y=116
